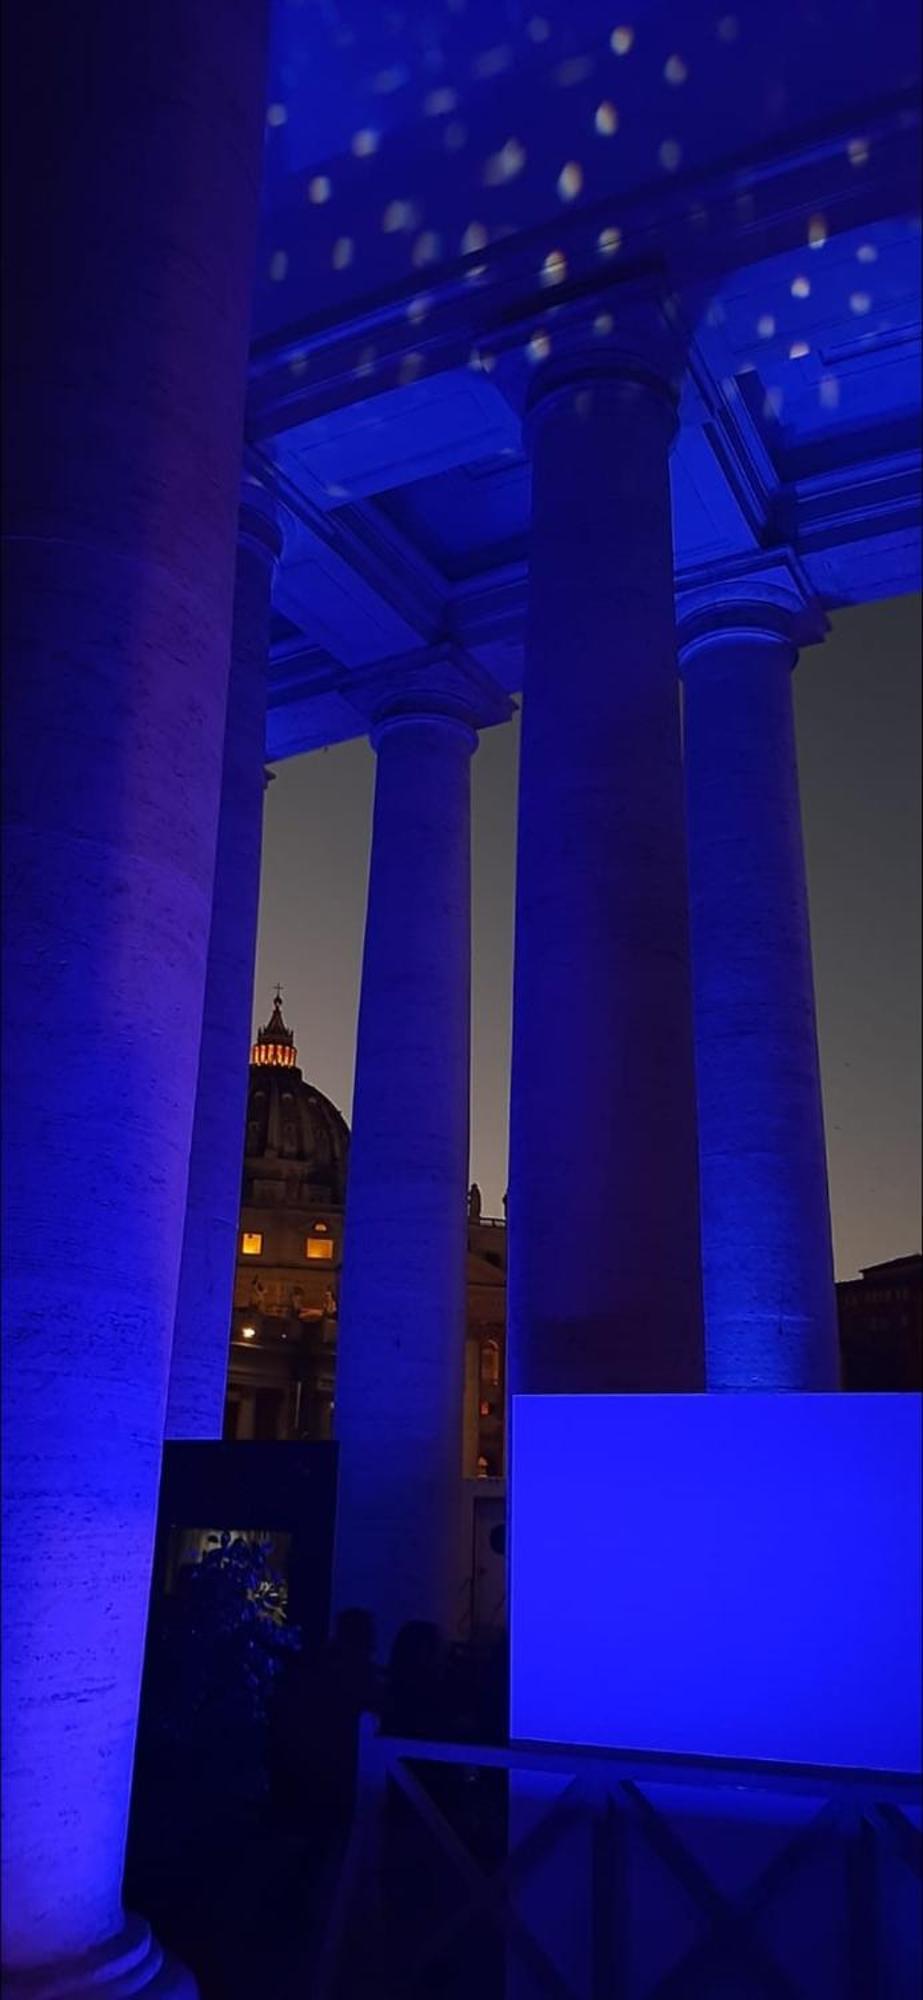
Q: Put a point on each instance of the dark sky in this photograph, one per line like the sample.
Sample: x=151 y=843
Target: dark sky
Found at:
x=858 y=712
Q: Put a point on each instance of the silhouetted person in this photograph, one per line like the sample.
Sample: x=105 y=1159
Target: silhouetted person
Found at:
x=415 y=1699
x=315 y=1733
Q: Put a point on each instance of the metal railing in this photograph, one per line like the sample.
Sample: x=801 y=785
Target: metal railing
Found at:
x=860 y=1824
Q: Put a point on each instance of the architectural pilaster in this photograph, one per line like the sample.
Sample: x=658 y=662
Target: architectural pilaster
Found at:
x=604 y=1276
x=400 y=1358
x=770 y=1305
x=129 y=243
x=201 y=1336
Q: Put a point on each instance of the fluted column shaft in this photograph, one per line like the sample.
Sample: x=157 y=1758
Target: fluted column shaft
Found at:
x=401 y=1342
x=201 y=1337
x=134 y=145
x=604 y=1281
x=768 y=1273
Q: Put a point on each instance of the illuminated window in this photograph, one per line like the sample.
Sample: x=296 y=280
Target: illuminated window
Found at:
x=490 y=1363
x=318 y=1249
x=251 y=1243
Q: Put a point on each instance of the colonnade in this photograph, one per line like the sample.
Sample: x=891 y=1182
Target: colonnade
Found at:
x=135 y=676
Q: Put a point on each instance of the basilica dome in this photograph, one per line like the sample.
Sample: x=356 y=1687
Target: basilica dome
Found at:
x=297 y=1142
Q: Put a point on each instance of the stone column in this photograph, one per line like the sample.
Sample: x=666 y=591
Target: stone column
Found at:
x=604 y=1279
x=770 y=1305
x=202 y=1332
x=401 y=1347
x=133 y=142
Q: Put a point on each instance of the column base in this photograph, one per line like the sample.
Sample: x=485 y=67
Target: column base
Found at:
x=132 y=1962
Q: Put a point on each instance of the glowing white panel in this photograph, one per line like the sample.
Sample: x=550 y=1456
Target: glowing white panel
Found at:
x=727 y=1576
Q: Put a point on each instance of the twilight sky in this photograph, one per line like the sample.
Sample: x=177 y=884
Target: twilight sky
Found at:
x=858 y=712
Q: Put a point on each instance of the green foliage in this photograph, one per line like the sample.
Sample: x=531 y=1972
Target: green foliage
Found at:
x=218 y=1644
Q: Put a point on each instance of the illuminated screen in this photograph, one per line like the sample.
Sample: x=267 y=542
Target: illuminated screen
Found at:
x=728 y=1576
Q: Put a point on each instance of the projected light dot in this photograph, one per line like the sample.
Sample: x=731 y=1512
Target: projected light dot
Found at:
x=817 y=232
x=606 y=119
x=554 y=269
x=669 y=154
x=603 y=323
x=675 y=70
x=278 y=266
x=538 y=29
x=400 y=215
x=570 y=181
x=575 y=70
x=798 y=350
x=728 y=28
x=276 y=114
x=364 y=143
x=860 y=302
x=744 y=206
x=439 y=102
x=411 y=366
x=772 y=402
x=857 y=152
x=609 y=242
x=475 y=238
x=366 y=362
x=427 y=249
x=492 y=62
x=801 y=288
x=621 y=40
x=715 y=314
x=867 y=253
x=765 y=326
x=298 y=364
x=319 y=190
x=829 y=392
x=455 y=136
x=343 y=252
x=389 y=80
x=419 y=309
x=539 y=347
x=504 y=165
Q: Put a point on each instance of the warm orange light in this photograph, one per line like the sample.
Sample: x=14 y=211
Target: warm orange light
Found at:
x=251 y=1243
x=277 y=1054
x=248 y=1332
x=318 y=1249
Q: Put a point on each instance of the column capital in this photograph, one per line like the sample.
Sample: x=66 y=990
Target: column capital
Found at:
x=258 y=524
x=747 y=609
x=439 y=683
x=635 y=350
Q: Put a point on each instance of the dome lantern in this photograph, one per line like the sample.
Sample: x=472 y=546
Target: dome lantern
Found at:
x=275 y=1043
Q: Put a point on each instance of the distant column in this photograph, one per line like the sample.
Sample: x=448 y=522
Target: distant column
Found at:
x=202 y=1332
x=401 y=1344
x=770 y=1305
x=134 y=138
x=604 y=1272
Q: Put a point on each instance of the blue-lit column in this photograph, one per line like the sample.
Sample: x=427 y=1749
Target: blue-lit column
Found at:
x=201 y=1336
x=770 y=1305
x=134 y=137
x=401 y=1342
x=604 y=1275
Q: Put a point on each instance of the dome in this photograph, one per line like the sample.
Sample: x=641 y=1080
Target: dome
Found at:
x=297 y=1143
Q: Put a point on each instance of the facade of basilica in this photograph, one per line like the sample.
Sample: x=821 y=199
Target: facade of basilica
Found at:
x=282 y=1373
